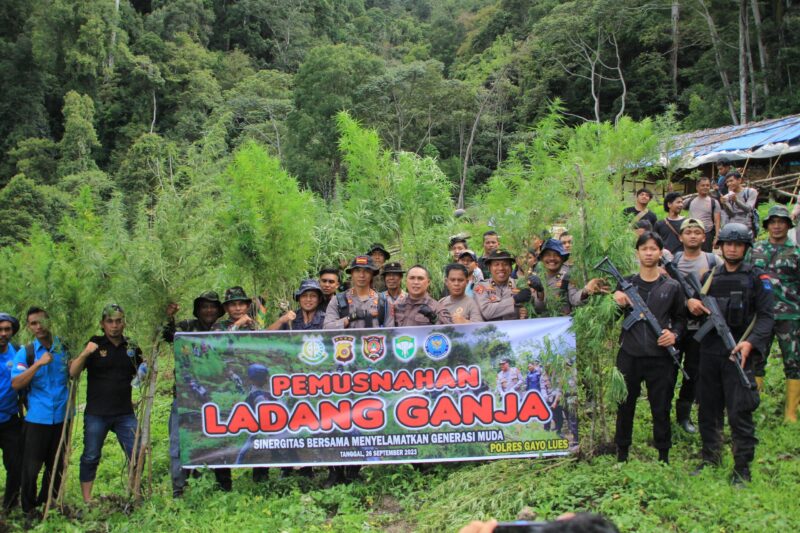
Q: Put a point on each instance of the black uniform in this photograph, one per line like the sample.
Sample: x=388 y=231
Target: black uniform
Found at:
x=742 y=295
x=641 y=359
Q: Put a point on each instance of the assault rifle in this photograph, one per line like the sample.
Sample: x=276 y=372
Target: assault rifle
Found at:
x=716 y=320
x=640 y=310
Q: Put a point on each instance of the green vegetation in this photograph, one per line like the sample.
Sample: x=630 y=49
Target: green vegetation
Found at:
x=154 y=149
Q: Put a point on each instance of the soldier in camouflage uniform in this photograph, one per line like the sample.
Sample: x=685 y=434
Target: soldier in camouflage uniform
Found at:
x=207 y=309
x=780 y=258
x=236 y=304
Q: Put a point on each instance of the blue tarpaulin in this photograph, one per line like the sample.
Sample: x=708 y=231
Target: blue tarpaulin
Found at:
x=767 y=138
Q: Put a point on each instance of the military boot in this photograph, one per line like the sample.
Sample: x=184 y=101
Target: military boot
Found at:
x=792 y=400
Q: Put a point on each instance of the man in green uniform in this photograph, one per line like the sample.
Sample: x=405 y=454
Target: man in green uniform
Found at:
x=780 y=259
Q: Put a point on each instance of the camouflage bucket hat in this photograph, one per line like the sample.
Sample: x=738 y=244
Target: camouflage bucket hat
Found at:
x=778 y=211
x=207 y=296
x=235 y=294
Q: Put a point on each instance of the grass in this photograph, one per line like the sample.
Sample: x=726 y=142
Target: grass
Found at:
x=641 y=495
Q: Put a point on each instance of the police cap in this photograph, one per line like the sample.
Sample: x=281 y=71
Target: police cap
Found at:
x=498 y=255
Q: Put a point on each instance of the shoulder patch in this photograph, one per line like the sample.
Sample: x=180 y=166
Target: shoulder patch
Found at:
x=765 y=282
x=478 y=289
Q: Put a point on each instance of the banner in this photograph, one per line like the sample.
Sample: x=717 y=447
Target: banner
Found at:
x=395 y=395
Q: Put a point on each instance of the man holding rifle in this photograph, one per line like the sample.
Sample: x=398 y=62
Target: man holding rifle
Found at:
x=742 y=294
x=655 y=309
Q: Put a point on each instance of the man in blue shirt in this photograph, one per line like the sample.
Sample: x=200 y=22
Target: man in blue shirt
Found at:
x=10 y=423
x=47 y=379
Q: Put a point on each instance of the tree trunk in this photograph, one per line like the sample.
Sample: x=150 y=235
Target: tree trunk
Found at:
x=715 y=44
x=762 y=49
x=752 y=71
x=742 y=62
x=113 y=40
x=676 y=12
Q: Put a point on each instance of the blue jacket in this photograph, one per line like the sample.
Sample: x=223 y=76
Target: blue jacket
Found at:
x=47 y=399
x=8 y=396
x=533 y=380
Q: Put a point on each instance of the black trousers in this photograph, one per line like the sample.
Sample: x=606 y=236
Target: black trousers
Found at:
x=40 y=445
x=717 y=391
x=11 y=444
x=687 y=394
x=658 y=375
x=708 y=245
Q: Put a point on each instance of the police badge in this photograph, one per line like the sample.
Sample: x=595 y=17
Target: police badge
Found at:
x=373 y=347
x=344 y=349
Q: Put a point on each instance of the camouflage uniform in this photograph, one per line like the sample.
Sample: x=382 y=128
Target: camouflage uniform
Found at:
x=782 y=263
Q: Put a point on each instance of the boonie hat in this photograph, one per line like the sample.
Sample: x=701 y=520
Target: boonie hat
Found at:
x=235 y=294
x=778 y=211
x=207 y=296
x=378 y=247
x=307 y=285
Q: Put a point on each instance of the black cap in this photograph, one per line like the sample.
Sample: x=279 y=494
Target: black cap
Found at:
x=378 y=247
x=393 y=268
x=498 y=255
x=362 y=261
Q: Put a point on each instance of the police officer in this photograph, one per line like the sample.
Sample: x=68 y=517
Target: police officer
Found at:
x=393 y=279
x=497 y=298
x=379 y=256
x=206 y=309
x=419 y=308
x=745 y=296
x=553 y=257
x=10 y=423
x=780 y=259
x=360 y=306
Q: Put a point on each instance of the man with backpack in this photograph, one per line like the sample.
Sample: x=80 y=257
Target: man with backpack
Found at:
x=740 y=204
x=669 y=228
x=691 y=260
x=10 y=423
x=706 y=209
x=361 y=306
x=41 y=369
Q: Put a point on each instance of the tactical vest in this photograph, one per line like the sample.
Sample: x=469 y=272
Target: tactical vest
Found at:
x=734 y=292
x=344 y=308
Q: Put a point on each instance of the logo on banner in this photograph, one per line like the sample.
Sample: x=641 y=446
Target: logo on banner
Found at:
x=373 y=347
x=313 y=351
x=344 y=349
x=404 y=347
x=437 y=346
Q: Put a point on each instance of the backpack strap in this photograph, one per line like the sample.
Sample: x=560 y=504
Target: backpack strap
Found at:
x=30 y=354
x=711 y=259
x=382 y=309
x=341 y=302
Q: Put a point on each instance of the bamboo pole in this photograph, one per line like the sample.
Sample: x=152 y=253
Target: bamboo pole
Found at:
x=142 y=445
x=62 y=451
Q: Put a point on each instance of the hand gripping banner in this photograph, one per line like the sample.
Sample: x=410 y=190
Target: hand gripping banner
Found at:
x=417 y=394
